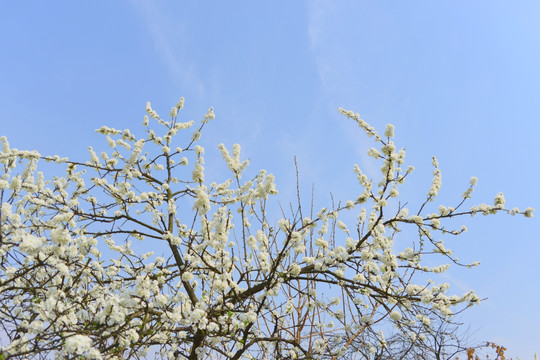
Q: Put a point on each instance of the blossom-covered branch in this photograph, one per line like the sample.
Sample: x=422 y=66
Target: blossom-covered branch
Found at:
x=135 y=252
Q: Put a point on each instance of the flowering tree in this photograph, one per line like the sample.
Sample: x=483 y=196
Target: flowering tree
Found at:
x=225 y=277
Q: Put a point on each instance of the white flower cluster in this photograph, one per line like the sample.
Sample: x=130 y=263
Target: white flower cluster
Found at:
x=233 y=161
x=436 y=182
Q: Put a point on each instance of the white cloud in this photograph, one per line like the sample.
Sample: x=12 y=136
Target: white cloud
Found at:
x=169 y=35
x=335 y=68
x=318 y=28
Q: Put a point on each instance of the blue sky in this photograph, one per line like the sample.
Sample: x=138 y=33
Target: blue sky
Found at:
x=459 y=79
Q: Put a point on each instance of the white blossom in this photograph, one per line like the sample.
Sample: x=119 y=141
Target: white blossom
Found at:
x=499 y=201
x=389 y=131
x=202 y=202
x=78 y=344
x=395 y=315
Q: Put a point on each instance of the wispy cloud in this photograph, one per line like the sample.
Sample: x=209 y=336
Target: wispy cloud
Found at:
x=318 y=14
x=337 y=64
x=167 y=36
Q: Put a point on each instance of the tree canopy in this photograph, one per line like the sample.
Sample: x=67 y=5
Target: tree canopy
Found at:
x=222 y=275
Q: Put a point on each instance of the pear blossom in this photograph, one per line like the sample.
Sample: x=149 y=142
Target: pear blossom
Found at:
x=78 y=344
x=396 y=316
x=389 y=131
